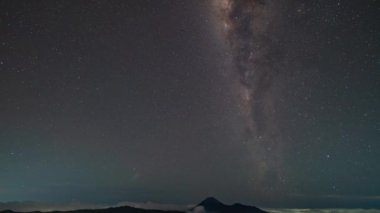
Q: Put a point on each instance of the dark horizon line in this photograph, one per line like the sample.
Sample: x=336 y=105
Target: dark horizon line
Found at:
x=105 y=206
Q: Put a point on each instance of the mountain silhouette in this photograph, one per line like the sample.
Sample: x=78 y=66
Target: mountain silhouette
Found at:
x=211 y=204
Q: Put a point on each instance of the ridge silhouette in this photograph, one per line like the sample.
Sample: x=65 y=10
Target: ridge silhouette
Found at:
x=209 y=204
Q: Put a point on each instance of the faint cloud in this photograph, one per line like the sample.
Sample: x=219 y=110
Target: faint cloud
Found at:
x=156 y=206
x=198 y=209
x=324 y=210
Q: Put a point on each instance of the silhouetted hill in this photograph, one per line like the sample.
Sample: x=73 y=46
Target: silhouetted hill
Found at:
x=211 y=204
x=208 y=205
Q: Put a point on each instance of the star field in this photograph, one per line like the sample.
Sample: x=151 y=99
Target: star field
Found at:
x=265 y=102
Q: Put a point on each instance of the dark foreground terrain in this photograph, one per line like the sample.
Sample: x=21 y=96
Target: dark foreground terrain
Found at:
x=213 y=205
x=208 y=205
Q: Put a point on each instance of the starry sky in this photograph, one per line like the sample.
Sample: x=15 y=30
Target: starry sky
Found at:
x=267 y=102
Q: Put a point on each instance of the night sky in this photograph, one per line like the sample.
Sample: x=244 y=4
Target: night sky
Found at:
x=268 y=102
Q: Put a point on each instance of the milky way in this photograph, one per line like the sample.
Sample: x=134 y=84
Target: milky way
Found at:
x=273 y=103
x=246 y=25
